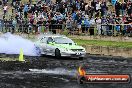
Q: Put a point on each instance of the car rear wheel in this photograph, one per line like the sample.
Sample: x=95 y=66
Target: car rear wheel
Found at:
x=81 y=58
x=81 y=80
x=57 y=53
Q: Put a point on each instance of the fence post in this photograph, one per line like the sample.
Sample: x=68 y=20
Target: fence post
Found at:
x=95 y=29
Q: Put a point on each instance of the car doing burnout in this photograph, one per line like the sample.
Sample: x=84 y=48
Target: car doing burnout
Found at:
x=58 y=46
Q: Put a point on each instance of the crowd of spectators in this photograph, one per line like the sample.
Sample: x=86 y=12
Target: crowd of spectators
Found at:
x=74 y=14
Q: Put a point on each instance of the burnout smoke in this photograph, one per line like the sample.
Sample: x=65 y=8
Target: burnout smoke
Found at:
x=11 y=44
x=56 y=71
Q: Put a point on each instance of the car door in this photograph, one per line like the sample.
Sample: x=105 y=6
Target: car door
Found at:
x=43 y=44
x=50 y=47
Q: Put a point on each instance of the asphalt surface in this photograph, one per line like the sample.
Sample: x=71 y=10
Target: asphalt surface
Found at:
x=49 y=72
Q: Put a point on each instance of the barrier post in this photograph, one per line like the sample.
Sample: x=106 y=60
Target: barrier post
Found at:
x=21 y=58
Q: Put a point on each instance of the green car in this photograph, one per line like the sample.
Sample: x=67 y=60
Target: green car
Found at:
x=59 y=46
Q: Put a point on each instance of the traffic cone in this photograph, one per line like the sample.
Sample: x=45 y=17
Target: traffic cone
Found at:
x=21 y=58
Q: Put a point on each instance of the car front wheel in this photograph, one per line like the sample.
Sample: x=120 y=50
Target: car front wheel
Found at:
x=57 y=53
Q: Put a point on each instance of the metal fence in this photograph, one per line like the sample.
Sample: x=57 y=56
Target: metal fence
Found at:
x=98 y=29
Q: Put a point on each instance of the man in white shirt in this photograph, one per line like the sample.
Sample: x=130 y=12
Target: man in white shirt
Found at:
x=98 y=7
x=5 y=9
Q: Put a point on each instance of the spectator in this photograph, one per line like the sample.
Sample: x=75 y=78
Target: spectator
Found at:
x=74 y=15
x=5 y=2
x=129 y=10
x=117 y=8
x=104 y=26
x=103 y=9
x=98 y=22
x=98 y=8
x=39 y=25
x=86 y=24
x=87 y=9
x=25 y=11
x=29 y=28
x=79 y=14
x=13 y=25
x=93 y=5
x=123 y=8
x=69 y=25
x=5 y=8
x=78 y=21
x=30 y=1
x=117 y=27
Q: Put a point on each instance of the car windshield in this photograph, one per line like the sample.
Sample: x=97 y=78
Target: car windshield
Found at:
x=63 y=40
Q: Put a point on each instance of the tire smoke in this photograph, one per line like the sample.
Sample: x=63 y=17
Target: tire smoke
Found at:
x=56 y=71
x=11 y=44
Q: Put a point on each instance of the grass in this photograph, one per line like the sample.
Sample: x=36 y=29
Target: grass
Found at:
x=104 y=43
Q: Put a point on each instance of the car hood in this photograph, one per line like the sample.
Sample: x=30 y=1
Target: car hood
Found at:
x=68 y=46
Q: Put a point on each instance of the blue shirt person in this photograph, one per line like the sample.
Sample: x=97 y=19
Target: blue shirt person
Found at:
x=86 y=22
x=25 y=8
x=74 y=15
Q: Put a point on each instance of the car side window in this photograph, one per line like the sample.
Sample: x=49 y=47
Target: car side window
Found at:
x=50 y=40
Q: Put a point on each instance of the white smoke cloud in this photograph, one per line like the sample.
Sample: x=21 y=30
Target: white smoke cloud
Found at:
x=11 y=44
